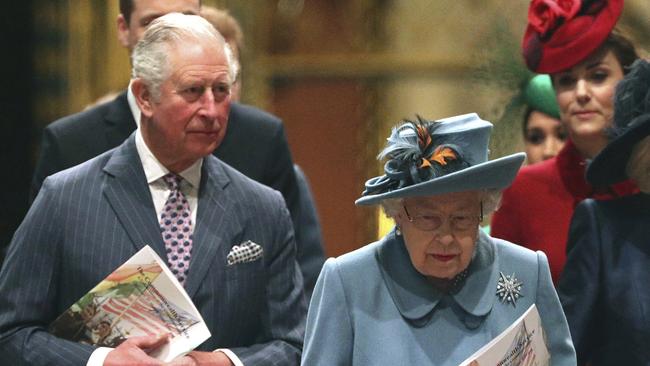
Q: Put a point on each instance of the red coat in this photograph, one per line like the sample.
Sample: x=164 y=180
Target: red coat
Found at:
x=537 y=208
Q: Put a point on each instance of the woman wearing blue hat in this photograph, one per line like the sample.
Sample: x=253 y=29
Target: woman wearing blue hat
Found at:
x=604 y=286
x=435 y=289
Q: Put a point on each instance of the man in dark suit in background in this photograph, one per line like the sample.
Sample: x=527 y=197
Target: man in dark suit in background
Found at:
x=255 y=142
x=307 y=228
x=89 y=219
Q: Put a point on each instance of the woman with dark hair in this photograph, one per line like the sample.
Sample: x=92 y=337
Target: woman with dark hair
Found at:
x=544 y=134
x=575 y=42
x=603 y=288
x=435 y=289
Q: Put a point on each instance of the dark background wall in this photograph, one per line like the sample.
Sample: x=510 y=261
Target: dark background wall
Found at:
x=16 y=119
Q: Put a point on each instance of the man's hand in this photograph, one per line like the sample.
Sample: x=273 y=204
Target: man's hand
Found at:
x=196 y=358
x=134 y=350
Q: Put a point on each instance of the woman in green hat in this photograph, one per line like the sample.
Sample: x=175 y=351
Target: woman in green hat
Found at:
x=544 y=134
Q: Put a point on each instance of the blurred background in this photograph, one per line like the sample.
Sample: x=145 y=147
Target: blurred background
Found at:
x=339 y=73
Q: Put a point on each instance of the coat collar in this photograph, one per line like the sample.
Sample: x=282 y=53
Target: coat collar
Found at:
x=572 y=166
x=217 y=225
x=127 y=191
x=416 y=299
x=119 y=120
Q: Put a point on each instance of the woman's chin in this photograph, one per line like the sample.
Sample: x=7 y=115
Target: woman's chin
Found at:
x=442 y=274
x=587 y=130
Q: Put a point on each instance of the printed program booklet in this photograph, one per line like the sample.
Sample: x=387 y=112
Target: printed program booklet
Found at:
x=141 y=297
x=522 y=343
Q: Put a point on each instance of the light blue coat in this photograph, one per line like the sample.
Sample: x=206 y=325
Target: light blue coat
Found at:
x=371 y=307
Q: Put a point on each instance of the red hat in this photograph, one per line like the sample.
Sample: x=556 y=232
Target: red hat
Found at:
x=562 y=33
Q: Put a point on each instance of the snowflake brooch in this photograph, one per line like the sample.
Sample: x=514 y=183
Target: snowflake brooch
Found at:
x=509 y=288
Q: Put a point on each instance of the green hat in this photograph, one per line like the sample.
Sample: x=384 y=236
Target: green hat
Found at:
x=539 y=95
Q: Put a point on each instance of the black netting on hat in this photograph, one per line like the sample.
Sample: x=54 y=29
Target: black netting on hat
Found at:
x=632 y=97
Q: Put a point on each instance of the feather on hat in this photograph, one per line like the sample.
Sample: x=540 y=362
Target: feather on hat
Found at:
x=435 y=157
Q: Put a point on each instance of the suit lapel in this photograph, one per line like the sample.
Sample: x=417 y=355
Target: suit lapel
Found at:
x=215 y=230
x=119 y=121
x=127 y=192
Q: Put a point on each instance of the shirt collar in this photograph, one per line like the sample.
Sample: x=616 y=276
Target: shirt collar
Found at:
x=572 y=166
x=133 y=105
x=416 y=298
x=572 y=171
x=154 y=170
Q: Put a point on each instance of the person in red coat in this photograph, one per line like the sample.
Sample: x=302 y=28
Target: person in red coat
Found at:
x=576 y=43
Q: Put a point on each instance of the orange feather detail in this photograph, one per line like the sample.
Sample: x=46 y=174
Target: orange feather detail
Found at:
x=441 y=154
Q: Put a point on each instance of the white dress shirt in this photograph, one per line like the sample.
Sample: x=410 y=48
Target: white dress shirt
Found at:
x=155 y=171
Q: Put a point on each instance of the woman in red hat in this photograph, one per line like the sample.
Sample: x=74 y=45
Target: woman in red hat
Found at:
x=575 y=42
x=603 y=289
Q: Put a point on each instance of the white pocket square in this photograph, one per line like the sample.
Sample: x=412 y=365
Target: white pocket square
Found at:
x=245 y=252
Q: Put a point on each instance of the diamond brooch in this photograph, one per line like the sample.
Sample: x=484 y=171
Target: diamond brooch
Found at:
x=508 y=289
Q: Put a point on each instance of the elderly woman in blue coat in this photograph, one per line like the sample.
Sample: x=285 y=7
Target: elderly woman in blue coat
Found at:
x=435 y=289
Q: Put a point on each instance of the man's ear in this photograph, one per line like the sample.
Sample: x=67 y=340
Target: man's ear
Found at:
x=123 y=31
x=143 y=97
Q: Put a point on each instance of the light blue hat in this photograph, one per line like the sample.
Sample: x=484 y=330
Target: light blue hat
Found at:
x=427 y=158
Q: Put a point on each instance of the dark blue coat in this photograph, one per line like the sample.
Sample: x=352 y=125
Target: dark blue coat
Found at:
x=89 y=219
x=605 y=286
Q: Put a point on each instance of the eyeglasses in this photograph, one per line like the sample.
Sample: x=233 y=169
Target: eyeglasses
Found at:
x=457 y=222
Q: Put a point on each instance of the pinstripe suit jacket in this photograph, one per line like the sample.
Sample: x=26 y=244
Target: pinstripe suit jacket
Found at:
x=89 y=219
x=255 y=144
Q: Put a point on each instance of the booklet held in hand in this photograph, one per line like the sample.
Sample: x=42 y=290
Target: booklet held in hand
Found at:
x=140 y=298
x=523 y=343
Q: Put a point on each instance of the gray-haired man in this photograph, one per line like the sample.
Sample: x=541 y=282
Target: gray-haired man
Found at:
x=89 y=219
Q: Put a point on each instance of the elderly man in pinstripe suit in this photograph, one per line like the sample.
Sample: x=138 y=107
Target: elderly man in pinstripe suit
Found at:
x=89 y=219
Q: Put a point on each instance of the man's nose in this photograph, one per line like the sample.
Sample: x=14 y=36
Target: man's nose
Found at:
x=209 y=105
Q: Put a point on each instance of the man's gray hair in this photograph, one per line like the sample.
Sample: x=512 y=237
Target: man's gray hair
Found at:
x=149 y=58
x=490 y=198
x=638 y=165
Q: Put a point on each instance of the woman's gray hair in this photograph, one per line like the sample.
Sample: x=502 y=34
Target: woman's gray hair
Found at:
x=392 y=206
x=489 y=197
x=638 y=165
x=149 y=58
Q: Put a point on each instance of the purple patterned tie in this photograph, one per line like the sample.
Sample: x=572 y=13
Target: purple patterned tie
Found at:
x=176 y=228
